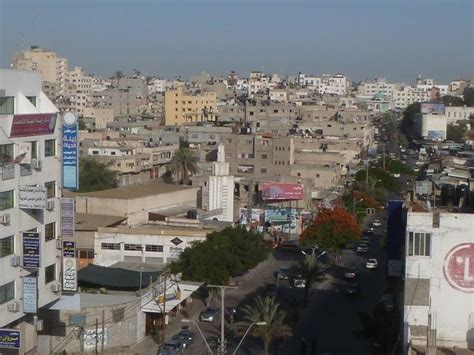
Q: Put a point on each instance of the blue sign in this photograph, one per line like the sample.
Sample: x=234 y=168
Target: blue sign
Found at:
x=30 y=294
x=10 y=339
x=70 y=156
x=31 y=250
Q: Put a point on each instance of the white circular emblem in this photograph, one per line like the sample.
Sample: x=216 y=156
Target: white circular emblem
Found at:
x=69 y=118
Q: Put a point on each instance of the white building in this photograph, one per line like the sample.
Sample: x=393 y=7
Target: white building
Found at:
x=278 y=95
x=221 y=188
x=461 y=113
x=378 y=85
x=407 y=95
x=439 y=279
x=325 y=84
x=29 y=157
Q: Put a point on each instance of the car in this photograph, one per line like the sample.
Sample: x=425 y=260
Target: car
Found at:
x=387 y=302
x=298 y=281
x=365 y=240
x=209 y=315
x=172 y=347
x=377 y=223
x=272 y=291
x=371 y=264
x=186 y=337
x=351 y=273
x=369 y=230
x=283 y=273
x=396 y=175
x=362 y=248
x=352 y=290
x=416 y=169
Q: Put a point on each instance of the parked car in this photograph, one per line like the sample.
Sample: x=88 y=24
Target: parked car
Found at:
x=186 y=337
x=387 y=302
x=209 y=315
x=172 y=347
x=362 y=248
x=352 y=290
x=371 y=264
x=283 y=273
x=351 y=273
x=298 y=281
x=377 y=223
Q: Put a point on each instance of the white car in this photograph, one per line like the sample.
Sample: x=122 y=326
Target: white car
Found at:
x=362 y=248
x=371 y=264
x=377 y=223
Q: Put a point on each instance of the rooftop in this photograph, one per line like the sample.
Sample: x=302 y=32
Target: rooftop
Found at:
x=92 y=222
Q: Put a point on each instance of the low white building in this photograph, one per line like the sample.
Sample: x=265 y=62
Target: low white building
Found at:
x=461 y=113
x=439 y=279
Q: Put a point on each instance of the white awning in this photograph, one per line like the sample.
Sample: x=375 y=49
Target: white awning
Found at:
x=150 y=300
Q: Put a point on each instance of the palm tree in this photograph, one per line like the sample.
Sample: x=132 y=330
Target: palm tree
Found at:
x=264 y=310
x=311 y=272
x=184 y=164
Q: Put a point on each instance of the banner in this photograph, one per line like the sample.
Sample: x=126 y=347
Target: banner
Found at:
x=283 y=219
x=30 y=294
x=70 y=156
x=427 y=107
x=32 y=197
x=10 y=339
x=255 y=217
x=67 y=217
x=31 y=250
x=33 y=124
x=277 y=191
x=69 y=266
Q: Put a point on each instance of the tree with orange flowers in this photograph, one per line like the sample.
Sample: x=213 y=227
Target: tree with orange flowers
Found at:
x=331 y=230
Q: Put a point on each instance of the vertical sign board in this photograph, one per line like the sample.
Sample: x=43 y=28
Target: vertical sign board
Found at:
x=67 y=217
x=69 y=266
x=10 y=339
x=395 y=232
x=31 y=250
x=70 y=156
x=30 y=294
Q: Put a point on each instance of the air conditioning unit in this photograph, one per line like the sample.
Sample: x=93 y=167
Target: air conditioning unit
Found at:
x=39 y=325
x=59 y=244
x=15 y=260
x=50 y=205
x=56 y=287
x=36 y=164
x=5 y=218
x=13 y=307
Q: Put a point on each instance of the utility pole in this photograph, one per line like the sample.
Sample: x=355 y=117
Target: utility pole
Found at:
x=103 y=332
x=164 y=311
x=367 y=172
x=383 y=156
x=222 y=345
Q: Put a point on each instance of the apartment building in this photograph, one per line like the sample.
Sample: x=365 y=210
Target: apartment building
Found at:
x=370 y=88
x=324 y=84
x=100 y=116
x=30 y=182
x=79 y=88
x=183 y=108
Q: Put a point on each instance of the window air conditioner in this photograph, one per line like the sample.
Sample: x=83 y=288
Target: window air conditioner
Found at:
x=39 y=325
x=15 y=260
x=59 y=244
x=56 y=287
x=50 y=205
x=36 y=164
x=13 y=307
x=5 y=218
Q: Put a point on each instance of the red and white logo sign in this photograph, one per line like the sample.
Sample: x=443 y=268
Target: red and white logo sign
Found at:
x=459 y=267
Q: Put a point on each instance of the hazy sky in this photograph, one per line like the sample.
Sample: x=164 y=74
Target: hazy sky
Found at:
x=362 y=38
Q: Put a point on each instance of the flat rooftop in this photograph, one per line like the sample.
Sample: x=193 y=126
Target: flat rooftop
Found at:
x=92 y=222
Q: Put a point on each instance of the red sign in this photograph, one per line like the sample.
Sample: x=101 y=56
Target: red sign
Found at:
x=459 y=267
x=33 y=124
x=276 y=191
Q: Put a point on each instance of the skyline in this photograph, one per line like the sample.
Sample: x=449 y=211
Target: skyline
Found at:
x=364 y=40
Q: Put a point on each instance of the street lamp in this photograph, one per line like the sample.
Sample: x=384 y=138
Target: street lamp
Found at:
x=200 y=332
x=245 y=334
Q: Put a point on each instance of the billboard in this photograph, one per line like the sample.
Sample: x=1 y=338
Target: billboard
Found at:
x=436 y=135
x=30 y=294
x=277 y=191
x=283 y=219
x=10 y=339
x=70 y=156
x=428 y=107
x=31 y=250
x=255 y=216
x=69 y=266
x=32 y=197
x=67 y=217
x=33 y=124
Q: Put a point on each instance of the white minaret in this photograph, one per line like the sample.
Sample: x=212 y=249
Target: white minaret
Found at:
x=221 y=187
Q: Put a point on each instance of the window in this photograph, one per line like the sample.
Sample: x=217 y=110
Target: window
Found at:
x=419 y=244
x=154 y=248
x=7 y=105
x=133 y=247
x=50 y=231
x=50 y=273
x=6 y=200
x=50 y=189
x=263 y=171
x=6 y=153
x=110 y=246
x=50 y=147
x=86 y=254
x=264 y=156
x=7 y=292
x=32 y=99
x=7 y=246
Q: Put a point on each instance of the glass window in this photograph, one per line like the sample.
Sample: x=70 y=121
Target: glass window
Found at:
x=50 y=231
x=6 y=246
x=419 y=244
x=7 y=105
x=6 y=200
x=50 y=189
x=7 y=292
x=50 y=273
x=427 y=244
x=154 y=248
x=34 y=150
x=6 y=153
x=133 y=247
x=110 y=246
x=410 y=244
x=32 y=99
x=50 y=147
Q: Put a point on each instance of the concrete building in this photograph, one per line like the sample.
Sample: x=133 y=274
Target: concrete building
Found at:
x=29 y=156
x=182 y=108
x=439 y=280
x=100 y=116
x=454 y=114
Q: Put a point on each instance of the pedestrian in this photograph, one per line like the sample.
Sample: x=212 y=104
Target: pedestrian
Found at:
x=303 y=346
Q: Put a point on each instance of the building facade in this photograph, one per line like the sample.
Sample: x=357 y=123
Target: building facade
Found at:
x=182 y=108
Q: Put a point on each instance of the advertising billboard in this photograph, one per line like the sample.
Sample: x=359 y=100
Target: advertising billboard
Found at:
x=32 y=197
x=67 y=217
x=283 y=219
x=69 y=266
x=433 y=108
x=31 y=250
x=10 y=339
x=33 y=124
x=277 y=191
x=436 y=135
x=255 y=217
x=30 y=294
x=70 y=156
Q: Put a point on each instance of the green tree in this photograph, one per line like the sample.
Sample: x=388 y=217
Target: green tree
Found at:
x=312 y=273
x=167 y=177
x=468 y=95
x=264 y=310
x=381 y=178
x=95 y=175
x=449 y=100
x=456 y=133
x=408 y=120
x=184 y=165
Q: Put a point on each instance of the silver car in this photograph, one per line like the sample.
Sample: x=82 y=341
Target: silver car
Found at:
x=209 y=315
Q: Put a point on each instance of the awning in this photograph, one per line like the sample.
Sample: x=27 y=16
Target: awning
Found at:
x=152 y=302
x=68 y=303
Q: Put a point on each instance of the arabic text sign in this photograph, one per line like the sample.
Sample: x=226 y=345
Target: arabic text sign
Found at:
x=69 y=266
x=276 y=191
x=31 y=250
x=67 y=217
x=30 y=294
x=10 y=339
x=70 y=158
x=32 y=197
x=33 y=124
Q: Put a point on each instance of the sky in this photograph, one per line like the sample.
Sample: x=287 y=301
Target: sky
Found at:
x=364 y=39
